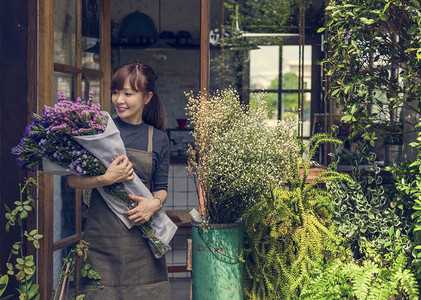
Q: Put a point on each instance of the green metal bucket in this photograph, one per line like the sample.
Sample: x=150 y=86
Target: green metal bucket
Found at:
x=217 y=273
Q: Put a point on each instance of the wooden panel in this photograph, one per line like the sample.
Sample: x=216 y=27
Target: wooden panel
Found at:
x=71 y=240
x=204 y=46
x=177 y=269
x=105 y=52
x=79 y=46
x=46 y=196
x=75 y=70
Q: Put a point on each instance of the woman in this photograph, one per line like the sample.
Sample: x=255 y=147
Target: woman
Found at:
x=123 y=257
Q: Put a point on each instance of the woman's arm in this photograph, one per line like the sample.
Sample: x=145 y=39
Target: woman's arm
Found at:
x=161 y=196
x=121 y=169
x=146 y=208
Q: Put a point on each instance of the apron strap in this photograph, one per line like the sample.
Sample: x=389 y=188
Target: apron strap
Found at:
x=150 y=136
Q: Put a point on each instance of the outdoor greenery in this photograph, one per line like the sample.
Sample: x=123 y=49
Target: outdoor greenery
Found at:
x=287 y=233
x=373 y=51
x=362 y=210
x=289 y=100
x=264 y=15
x=370 y=245
x=376 y=277
x=275 y=16
x=21 y=265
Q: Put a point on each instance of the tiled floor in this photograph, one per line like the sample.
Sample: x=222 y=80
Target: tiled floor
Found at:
x=180 y=288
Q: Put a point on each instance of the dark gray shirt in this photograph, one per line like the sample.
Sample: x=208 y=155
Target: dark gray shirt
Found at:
x=136 y=137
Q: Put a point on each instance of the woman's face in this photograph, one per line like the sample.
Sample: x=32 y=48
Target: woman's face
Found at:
x=129 y=104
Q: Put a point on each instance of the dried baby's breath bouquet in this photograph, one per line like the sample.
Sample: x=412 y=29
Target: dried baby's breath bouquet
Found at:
x=238 y=156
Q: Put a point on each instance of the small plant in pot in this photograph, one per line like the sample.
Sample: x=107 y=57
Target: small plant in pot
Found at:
x=236 y=160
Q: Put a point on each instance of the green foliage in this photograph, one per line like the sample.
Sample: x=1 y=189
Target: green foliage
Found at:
x=23 y=266
x=362 y=210
x=68 y=271
x=407 y=178
x=287 y=234
x=377 y=277
x=373 y=60
x=264 y=15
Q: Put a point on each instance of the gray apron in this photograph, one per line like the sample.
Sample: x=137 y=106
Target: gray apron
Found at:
x=123 y=257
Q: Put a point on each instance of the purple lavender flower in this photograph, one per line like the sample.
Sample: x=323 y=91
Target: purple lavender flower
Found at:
x=49 y=135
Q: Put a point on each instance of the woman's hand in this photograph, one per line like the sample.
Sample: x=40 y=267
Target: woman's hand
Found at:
x=144 y=209
x=121 y=169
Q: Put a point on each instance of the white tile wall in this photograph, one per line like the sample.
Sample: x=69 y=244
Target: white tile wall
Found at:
x=181 y=195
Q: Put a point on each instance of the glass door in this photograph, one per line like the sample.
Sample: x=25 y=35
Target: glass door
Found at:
x=74 y=59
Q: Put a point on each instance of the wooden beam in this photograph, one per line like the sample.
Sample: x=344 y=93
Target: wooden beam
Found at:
x=204 y=46
x=75 y=70
x=105 y=53
x=45 y=194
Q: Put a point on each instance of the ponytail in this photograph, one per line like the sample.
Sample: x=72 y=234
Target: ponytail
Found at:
x=153 y=113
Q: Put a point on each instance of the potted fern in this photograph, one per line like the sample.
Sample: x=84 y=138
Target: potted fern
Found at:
x=288 y=232
x=237 y=159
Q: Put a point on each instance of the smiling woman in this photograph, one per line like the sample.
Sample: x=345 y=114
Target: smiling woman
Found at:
x=135 y=84
x=128 y=268
x=129 y=104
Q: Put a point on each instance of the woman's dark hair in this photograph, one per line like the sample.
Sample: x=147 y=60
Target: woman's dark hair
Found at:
x=141 y=79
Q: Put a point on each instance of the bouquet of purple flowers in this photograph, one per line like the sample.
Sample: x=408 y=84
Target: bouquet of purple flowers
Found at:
x=75 y=137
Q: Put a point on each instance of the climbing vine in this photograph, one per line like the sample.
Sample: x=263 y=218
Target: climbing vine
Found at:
x=373 y=52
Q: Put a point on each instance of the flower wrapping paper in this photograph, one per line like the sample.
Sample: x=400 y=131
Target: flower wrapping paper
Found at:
x=106 y=147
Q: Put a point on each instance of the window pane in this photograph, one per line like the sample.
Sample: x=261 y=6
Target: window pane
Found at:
x=64 y=197
x=290 y=72
x=264 y=67
x=90 y=34
x=64 y=209
x=290 y=105
x=65 y=83
x=90 y=54
x=91 y=84
x=65 y=32
x=271 y=100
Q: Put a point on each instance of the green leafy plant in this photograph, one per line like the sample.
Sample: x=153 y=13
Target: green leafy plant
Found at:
x=377 y=276
x=407 y=178
x=21 y=265
x=373 y=61
x=237 y=155
x=288 y=234
x=390 y=133
x=68 y=271
x=362 y=210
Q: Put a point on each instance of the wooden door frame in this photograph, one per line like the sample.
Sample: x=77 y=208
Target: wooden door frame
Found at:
x=46 y=97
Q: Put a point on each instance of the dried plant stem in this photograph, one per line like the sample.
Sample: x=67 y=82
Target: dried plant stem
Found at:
x=64 y=281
